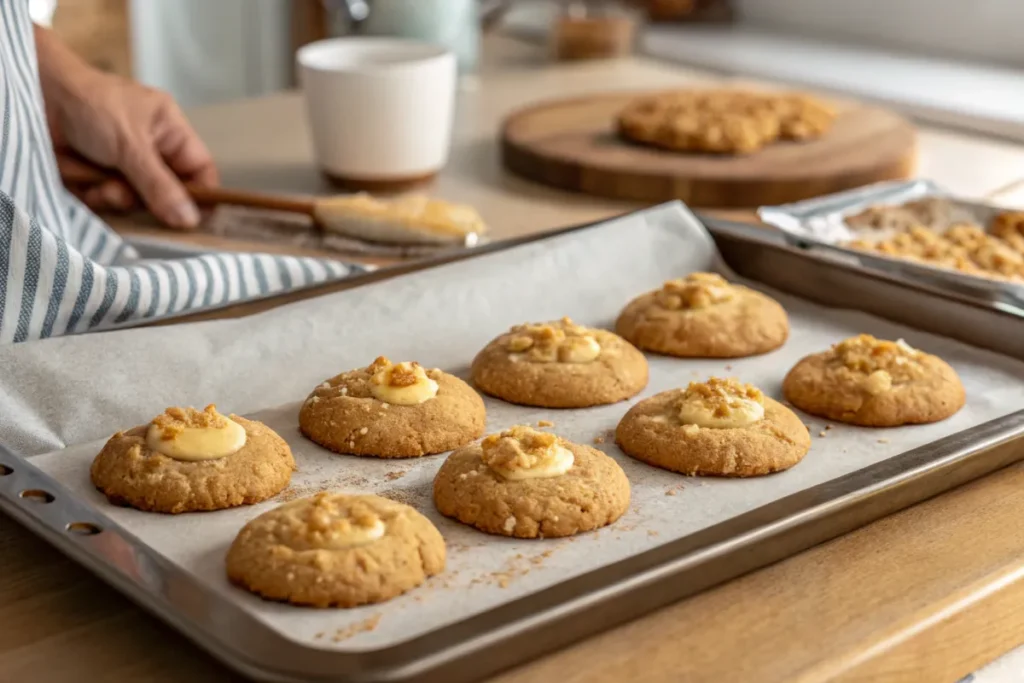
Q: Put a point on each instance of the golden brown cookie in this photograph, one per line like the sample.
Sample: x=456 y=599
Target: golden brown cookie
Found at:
x=392 y=410
x=722 y=121
x=703 y=316
x=531 y=484
x=334 y=550
x=560 y=365
x=719 y=427
x=875 y=383
x=187 y=460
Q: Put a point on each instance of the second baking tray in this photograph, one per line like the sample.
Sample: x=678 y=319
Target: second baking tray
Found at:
x=503 y=601
x=820 y=223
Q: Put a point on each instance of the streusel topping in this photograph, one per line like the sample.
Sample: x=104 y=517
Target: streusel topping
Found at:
x=696 y=290
x=330 y=522
x=562 y=341
x=525 y=453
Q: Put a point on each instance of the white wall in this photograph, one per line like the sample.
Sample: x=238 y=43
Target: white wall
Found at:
x=206 y=51
x=987 y=30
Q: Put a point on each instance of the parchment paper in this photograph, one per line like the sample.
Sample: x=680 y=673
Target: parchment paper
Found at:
x=85 y=388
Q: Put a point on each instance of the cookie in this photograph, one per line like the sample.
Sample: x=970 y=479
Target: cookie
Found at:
x=875 y=383
x=722 y=121
x=531 y=484
x=559 y=365
x=703 y=316
x=719 y=427
x=334 y=550
x=187 y=460
x=392 y=410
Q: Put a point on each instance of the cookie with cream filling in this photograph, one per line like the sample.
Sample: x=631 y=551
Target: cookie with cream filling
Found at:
x=704 y=316
x=531 y=484
x=188 y=460
x=560 y=365
x=719 y=427
x=875 y=383
x=335 y=550
x=392 y=410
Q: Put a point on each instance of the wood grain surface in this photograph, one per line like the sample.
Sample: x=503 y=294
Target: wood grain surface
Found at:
x=572 y=144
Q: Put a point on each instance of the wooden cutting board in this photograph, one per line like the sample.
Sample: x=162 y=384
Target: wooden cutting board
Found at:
x=572 y=144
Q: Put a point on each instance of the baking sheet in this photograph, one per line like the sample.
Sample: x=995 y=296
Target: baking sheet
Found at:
x=91 y=386
x=821 y=221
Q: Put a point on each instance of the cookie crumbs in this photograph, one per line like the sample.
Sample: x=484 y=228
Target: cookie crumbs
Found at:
x=670 y=492
x=319 y=635
x=391 y=476
x=598 y=440
x=728 y=368
x=883 y=441
x=828 y=427
x=364 y=626
x=822 y=433
x=652 y=533
x=545 y=423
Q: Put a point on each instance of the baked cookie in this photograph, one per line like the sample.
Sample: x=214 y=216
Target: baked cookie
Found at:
x=392 y=410
x=719 y=427
x=334 y=550
x=722 y=121
x=187 y=460
x=560 y=365
x=531 y=484
x=875 y=383
x=703 y=316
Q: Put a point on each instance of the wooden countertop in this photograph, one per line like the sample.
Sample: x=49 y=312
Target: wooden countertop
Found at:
x=928 y=594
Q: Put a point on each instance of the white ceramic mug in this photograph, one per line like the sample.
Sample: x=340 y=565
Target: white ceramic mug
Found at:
x=380 y=109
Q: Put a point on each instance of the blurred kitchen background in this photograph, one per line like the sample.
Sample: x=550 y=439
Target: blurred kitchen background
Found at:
x=954 y=63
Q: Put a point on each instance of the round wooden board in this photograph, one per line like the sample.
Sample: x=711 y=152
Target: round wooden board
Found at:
x=572 y=144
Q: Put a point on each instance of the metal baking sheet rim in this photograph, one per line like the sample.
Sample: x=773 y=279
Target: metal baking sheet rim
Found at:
x=511 y=634
x=790 y=218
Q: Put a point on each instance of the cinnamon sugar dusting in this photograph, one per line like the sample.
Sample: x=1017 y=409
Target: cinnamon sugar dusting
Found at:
x=175 y=420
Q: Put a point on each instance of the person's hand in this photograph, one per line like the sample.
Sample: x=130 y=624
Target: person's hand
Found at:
x=121 y=125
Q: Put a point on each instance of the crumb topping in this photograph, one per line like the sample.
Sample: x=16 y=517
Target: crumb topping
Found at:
x=175 y=420
x=722 y=397
x=881 y=361
x=406 y=374
x=517 y=448
x=332 y=522
x=696 y=290
x=563 y=341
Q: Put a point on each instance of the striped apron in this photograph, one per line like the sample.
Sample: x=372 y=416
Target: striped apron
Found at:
x=62 y=270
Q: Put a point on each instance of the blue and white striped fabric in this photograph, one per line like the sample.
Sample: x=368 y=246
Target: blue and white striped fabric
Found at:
x=62 y=270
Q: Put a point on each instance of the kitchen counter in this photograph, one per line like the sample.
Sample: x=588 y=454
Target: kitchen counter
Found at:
x=931 y=593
